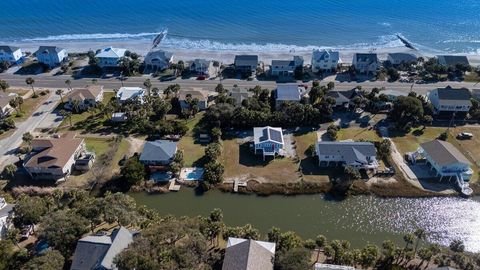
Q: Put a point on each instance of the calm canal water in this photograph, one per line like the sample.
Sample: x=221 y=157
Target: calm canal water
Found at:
x=359 y=219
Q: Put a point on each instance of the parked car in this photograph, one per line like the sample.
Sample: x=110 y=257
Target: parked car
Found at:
x=26 y=231
x=168 y=78
x=464 y=136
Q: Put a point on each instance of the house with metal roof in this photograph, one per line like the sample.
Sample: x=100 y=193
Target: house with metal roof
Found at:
x=452 y=60
x=286 y=68
x=325 y=60
x=446 y=160
x=86 y=97
x=12 y=55
x=6 y=213
x=246 y=63
x=448 y=101
x=345 y=99
x=5 y=108
x=109 y=57
x=366 y=63
x=203 y=67
x=240 y=94
x=268 y=140
x=51 y=56
x=248 y=254
x=401 y=58
x=130 y=93
x=158 y=153
x=156 y=60
x=359 y=155
x=288 y=92
x=98 y=251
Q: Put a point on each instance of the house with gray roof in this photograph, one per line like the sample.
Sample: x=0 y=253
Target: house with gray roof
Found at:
x=98 y=251
x=12 y=55
x=452 y=60
x=240 y=94
x=246 y=63
x=359 y=155
x=286 y=68
x=288 y=92
x=268 y=140
x=448 y=101
x=51 y=56
x=6 y=214
x=5 y=108
x=366 y=63
x=446 y=160
x=401 y=58
x=109 y=57
x=247 y=254
x=325 y=60
x=345 y=99
x=158 y=153
x=156 y=60
x=203 y=67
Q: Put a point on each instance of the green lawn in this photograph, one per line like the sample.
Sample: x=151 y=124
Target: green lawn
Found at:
x=97 y=145
x=356 y=134
x=28 y=107
x=411 y=141
x=192 y=150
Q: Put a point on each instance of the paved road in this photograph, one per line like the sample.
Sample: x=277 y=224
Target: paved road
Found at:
x=42 y=116
x=49 y=81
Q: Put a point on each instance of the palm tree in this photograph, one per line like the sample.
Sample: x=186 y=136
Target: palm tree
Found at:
x=420 y=234
x=14 y=104
x=59 y=92
x=69 y=83
x=76 y=105
x=408 y=238
x=320 y=241
x=66 y=115
x=30 y=81
x=148 y=84
x=155 y=91
x=4 y=85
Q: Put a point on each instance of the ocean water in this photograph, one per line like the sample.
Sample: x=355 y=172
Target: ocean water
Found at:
x=434 y=25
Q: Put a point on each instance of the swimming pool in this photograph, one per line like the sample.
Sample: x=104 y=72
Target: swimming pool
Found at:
x=192 y=174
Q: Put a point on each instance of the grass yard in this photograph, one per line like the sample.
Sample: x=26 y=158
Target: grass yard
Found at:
x=97 y=145
x=192 y=150
x=356 y=134
x=28 y=107
x=411 y=141
x=240 y=161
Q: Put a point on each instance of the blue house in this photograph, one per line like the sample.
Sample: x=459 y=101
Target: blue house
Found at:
x=268 y=140
x=10 y=54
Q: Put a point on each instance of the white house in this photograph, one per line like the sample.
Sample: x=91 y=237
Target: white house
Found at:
x=288 y=92
x=366 y=63
x=54 y=158
x=130 y=93
x=446 y=160
x=6 y=214
x=203 y=67
x=452 y=60
x=447 y=101
x=286 y=68
x=359 y=155
x=401 y=58
x=109 y=57
x=158 y=60
x=51 y=56
x=268 y=140
x=325 y=60
x=10 y=54
x=5 y=108
x=86 y=97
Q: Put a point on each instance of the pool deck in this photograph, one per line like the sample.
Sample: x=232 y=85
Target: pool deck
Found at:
x=185 y=172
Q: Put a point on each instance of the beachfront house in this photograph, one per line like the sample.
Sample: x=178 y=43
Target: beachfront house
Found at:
x=203 y=67
x=366 y=63
x=248 y=254
x=345 y=99
x=396 y=59
x=54 y=158
x=288 y=92
x=109 y=57
x=158 y=153
x=6 y=215
x=268 y=141
x=240 y=94
x=157 y=60
x=325 y=60
x=203 y=98
x=285 y=69
x=10 y=54
x=450 y=101
x=246 y=64
x=359 y=155
x=84 y=98
x=445 y=160
x=452 y=60
x=51 y=56
x=98 y=251
x=125 y=94
x=5 y=108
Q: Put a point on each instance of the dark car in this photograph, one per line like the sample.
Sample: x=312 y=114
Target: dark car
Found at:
x=168 y=78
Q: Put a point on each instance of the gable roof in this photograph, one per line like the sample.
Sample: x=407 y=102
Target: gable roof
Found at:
x=443 y=153
x=452 y=60
x=97 y=252
x=5 y=99
x=53 y=152
x=344 y=96
x=240 y=94
x=246 y=60
x=319 y=55
x=263 y=134
x=351 y=152
x=196 y=92
x=201 y=62
x=9 y=49
x=289 y=92
x=158 y=56
x=402 y=57
x=111 y=52
x=48 y=49
x=449 y=93
x=89 y=92
x=125 y=93
x=246 y=254
x=160 y=150
x=366 y=57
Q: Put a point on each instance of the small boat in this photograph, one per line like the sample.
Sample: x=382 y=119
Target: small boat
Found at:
x=159 y=38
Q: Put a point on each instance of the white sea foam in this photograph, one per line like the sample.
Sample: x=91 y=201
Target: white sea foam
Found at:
x=96 y=36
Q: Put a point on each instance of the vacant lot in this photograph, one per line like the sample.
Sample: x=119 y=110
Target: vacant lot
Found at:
x=356 y=134
x=411 y=141
x=239 y=161
x=193 y=151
